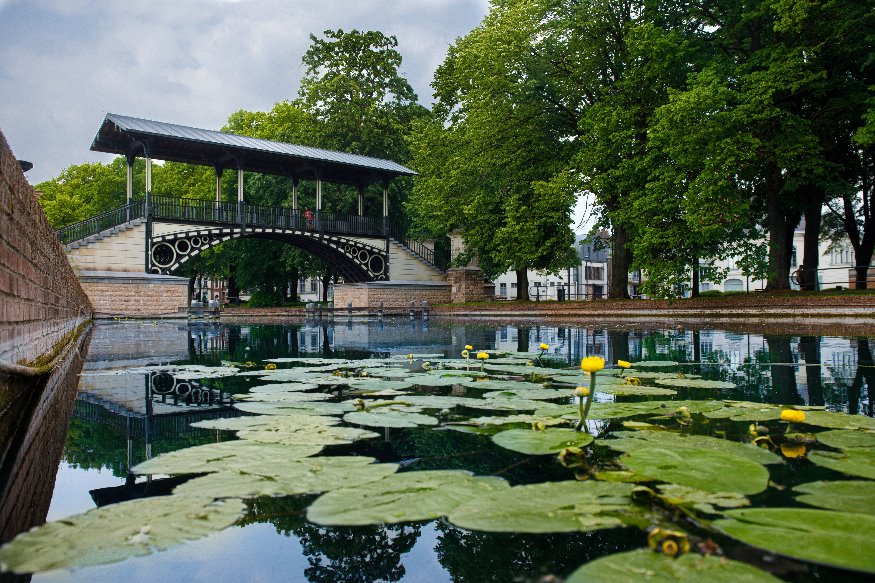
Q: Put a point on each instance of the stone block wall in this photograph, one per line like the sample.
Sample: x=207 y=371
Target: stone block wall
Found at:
x=40 y=298
x=392 y=294
x=468 y=285
x=115 y=293
x=123 y=251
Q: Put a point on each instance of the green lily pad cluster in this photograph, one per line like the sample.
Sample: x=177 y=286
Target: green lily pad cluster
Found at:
x=642 y=456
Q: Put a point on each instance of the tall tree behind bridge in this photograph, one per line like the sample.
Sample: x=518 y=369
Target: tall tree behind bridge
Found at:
x=501 y=129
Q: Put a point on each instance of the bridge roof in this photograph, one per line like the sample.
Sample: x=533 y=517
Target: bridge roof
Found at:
x=120 y=134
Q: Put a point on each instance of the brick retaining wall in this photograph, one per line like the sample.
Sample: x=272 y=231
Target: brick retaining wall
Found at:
x=138 y=295
x=40 y=297
x=392 y=294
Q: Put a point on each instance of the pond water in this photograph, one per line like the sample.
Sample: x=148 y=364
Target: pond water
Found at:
x=144 y=383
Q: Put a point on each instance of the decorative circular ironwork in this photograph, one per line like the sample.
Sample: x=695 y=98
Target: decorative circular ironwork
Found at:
x=376 y=265
x=163 y=254
x=172 y=249
x=182 y=246
x=183 y=389
x=163 y=383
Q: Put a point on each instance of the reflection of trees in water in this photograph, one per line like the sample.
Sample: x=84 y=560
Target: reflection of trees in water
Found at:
x=354 y=554
x=94 y=445
x=428 y=449
x=481 y=556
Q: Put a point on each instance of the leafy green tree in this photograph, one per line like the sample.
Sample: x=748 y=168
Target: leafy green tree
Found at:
x=486 y=156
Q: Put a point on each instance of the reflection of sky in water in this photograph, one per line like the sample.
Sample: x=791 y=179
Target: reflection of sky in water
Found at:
x=255 y=553
x=72 y=487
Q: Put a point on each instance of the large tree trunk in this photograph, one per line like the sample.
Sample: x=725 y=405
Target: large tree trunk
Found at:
x=522 y=284
x=694 y=291
x=233 y=289
x=781 y=228
x=784 y=389
x=618 y=284
x=811 y=246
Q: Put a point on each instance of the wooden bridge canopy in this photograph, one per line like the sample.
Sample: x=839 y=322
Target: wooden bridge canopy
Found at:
x=131 y=136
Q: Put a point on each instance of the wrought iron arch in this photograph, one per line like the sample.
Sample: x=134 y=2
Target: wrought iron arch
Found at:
x=354 y=260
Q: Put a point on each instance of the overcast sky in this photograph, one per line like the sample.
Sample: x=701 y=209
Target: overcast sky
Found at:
x=64 y=64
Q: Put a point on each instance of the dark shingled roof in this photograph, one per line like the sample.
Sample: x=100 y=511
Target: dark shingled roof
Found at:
x=120 y=134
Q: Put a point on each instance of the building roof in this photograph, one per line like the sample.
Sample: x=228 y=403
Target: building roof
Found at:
x=120 y=134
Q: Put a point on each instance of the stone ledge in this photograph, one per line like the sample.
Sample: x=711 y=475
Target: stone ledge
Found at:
x=130 y=278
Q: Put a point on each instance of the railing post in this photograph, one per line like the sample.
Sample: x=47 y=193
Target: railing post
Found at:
x=147 y=211
x=241 y=216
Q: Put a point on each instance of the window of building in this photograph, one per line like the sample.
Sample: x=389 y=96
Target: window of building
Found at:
x=313 y=286
x=502 y=287
x=513 y=285
x=552 y=284
x=302 y=286
x=733 y=285
x=793 y=262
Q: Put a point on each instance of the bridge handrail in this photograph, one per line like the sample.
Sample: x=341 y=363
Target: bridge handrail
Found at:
x=419 y=248
x=99 y=223
x=190 y=209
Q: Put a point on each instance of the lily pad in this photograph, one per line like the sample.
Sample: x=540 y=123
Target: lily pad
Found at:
x=630 y=441
x=634 y=390
x=707 y=502
x=116 y=532
x=513 y=419
x=847 y=495
x=548 y=507
x=283 y=388
x=846 y=438
x=853 y=461
x=401 y=497
x=541 y=394
x=285 y=397
x=744 y=411
x=253 y=421
x=245 y=456
x=840 y=539
x=652 y=567
x=654 y=363
x=712 y=471
x=839 y=420
x=289 y=430
x=295 y=408
x=435 y=379
x=541 y=442
x=688 y=383
x=380 y=418
x=504 y=385
x=302 y=476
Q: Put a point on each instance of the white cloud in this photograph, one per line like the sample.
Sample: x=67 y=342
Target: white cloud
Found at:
x=65 y=63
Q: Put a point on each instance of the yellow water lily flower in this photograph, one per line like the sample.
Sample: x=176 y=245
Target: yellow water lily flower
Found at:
x=482 y=355
x=543 y=346
x=465 y=354
x=469 y=347
x=581 y=392
x=793 y=451
x=669 y=548
x=624 y=363
x=270 y=366
x=792 y=416
x=592 y=364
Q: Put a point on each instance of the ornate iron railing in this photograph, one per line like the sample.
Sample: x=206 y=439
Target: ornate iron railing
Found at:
x=102 y=222
x=425 y=253
x=210 y=212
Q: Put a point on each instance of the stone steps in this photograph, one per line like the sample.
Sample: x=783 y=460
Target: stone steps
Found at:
x=412 y=266
x=105 y=234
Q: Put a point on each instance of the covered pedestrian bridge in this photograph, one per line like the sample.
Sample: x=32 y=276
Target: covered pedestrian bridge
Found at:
x=155 y=235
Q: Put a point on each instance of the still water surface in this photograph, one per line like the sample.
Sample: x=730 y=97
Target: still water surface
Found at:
x=119 y=421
